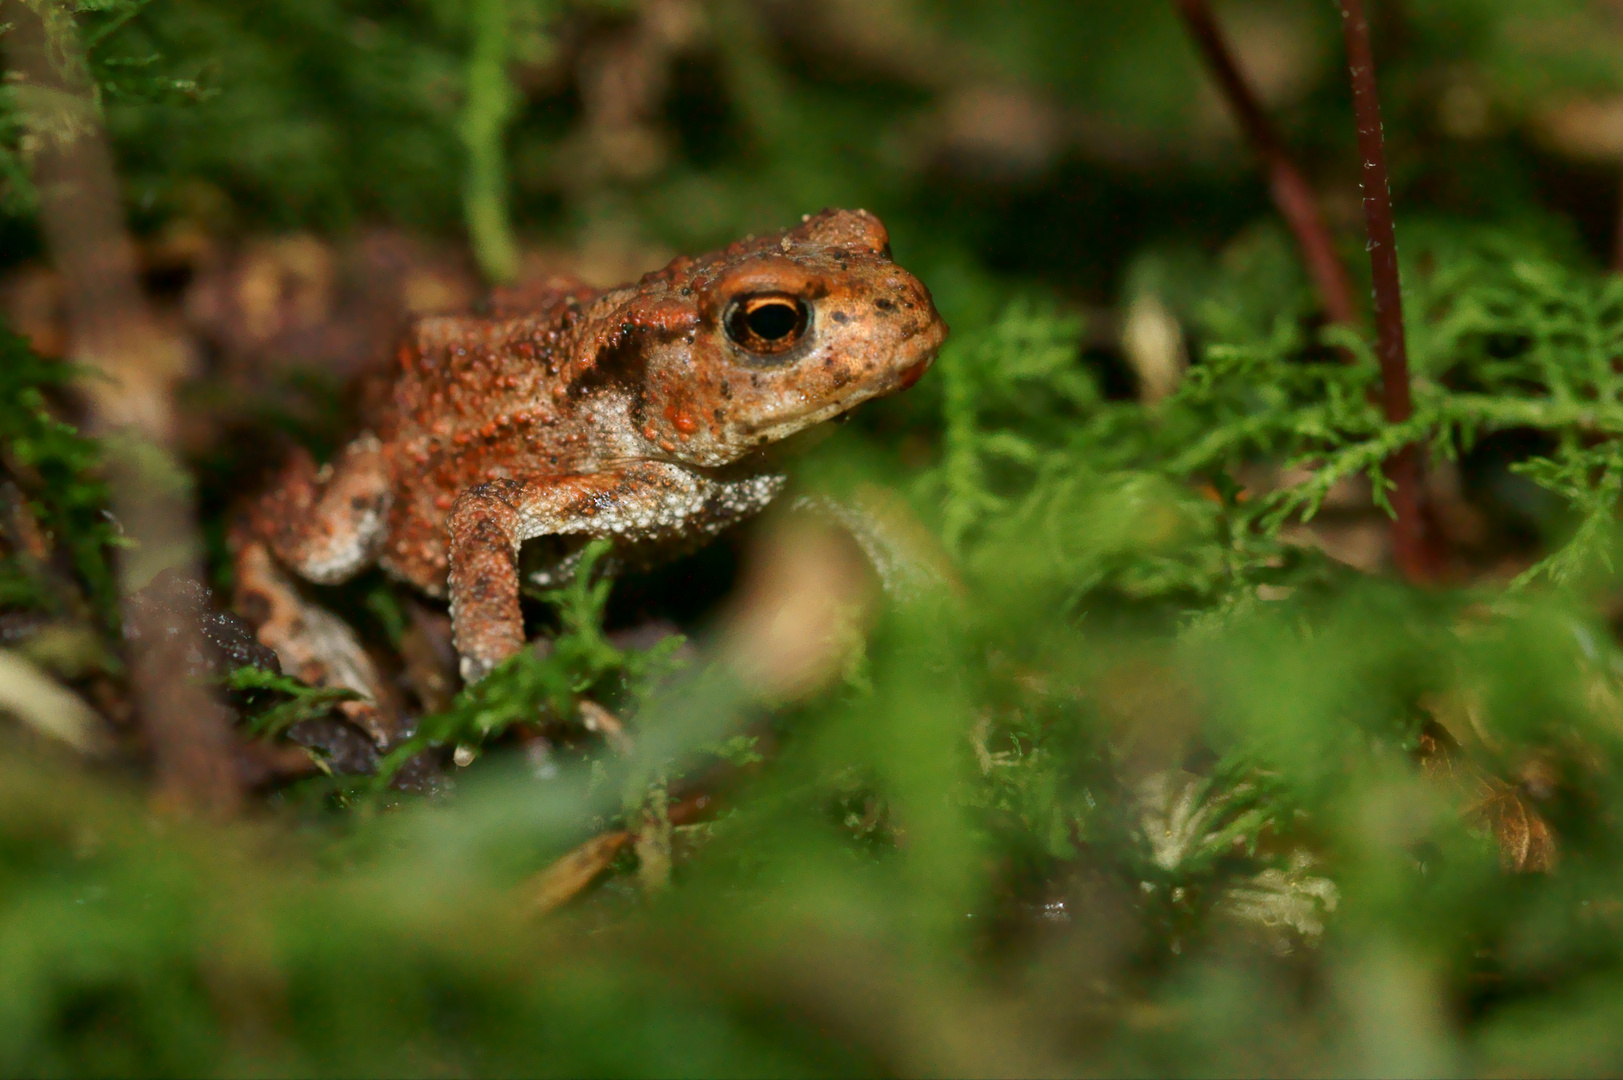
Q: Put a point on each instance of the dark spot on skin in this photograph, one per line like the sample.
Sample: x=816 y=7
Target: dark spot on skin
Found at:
x=717 y=413
x=621 y=362
x=885 y=305
x=726 y=389
x=359 y=502
x=840 y=317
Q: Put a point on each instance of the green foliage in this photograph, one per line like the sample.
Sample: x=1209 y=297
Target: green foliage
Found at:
x=58 y=470
x=353 y=110
x=1503 y=338
x=362 y=110
x=1136 y=781
x=531 y=686
x=301 y=701
x=1009 y=396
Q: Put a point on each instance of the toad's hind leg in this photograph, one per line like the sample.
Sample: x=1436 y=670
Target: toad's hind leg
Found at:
x=311 y=642
x=325 y=526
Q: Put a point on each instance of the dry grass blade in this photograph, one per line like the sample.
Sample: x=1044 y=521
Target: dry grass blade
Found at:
x=36 y=699
x=567 y=878
x=603 y=722
x=653 y=841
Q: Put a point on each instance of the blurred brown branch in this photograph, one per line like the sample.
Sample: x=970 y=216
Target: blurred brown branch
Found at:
x=129 y=395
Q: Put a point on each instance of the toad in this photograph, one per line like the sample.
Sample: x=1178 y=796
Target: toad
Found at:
x=638 y=413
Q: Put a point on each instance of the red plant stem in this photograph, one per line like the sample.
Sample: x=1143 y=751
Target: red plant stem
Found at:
x=1292 y=195
x=1409 y=543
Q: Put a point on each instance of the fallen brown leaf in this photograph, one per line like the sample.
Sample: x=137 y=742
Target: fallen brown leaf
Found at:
x=1526 y=844
x=49 y=708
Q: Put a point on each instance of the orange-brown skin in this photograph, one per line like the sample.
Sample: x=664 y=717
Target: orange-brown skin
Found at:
x=634 y=413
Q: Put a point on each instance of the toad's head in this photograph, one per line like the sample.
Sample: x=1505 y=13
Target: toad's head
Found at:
x=752 y=344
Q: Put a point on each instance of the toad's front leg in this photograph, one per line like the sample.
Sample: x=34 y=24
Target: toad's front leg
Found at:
x=487 y=525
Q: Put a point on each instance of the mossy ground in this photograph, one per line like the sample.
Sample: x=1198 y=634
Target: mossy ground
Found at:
x=1145 y=761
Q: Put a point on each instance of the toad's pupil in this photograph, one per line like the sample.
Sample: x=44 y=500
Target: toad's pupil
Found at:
x=772 y=322
x=767 y=326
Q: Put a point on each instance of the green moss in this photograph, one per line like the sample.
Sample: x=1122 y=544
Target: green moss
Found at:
x=1128 y=779
x=58 y=470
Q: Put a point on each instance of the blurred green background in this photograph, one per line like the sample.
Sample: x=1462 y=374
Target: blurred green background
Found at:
x=1137 y=760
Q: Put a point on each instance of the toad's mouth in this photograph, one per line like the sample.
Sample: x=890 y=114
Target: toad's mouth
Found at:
x=783 y=425
x=914 y=374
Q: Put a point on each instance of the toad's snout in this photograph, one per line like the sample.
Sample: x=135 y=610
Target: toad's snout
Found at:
x=922 y=332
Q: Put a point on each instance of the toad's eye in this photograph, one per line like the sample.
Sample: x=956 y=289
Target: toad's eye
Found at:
x=767 y=324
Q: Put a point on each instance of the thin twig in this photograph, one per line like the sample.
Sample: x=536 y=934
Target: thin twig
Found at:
x=1292 y=195
x=1409 y=542
x=131 y=405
